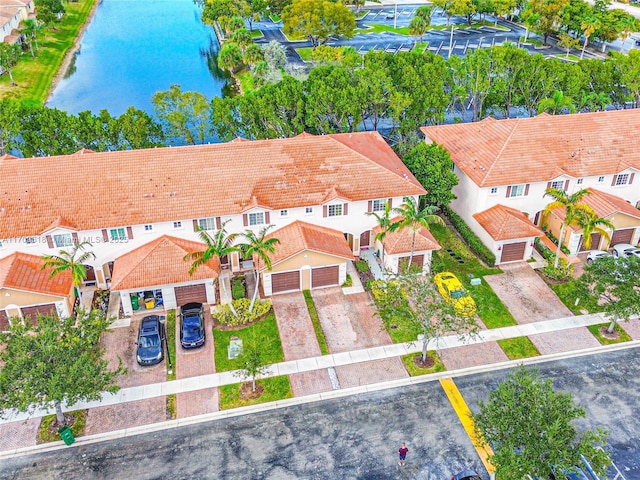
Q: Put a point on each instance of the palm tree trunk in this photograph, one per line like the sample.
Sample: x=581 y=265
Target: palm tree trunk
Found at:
x=255 y=292
x=450 y=43
x=223 y=288
x=59 y=414
x=557 y=259
x=413 y=245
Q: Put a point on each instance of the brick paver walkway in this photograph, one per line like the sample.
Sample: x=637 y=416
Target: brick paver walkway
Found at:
x=472 y=355
x=632 y=327
x=126 y=415
x=367 y=373
x=19 y=434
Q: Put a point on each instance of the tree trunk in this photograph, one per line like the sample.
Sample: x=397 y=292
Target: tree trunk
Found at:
x=526 y=34
x=255 y=293
x=413 y=245
x=612 y=325
x=223 y=288
x=425 y=343
x=557 y=259
x=253 y=384
x=59 y=414
x=450 y=43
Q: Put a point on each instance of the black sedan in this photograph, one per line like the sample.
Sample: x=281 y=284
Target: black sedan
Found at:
x=192 y=325
x=150 y=351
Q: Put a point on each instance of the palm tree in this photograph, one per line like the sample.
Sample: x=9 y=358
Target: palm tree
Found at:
x=588 y=26
x=218 y=245
x=571 y=205
x=259 y=247
x=556 y=104
x=414 y=218
x=418 y=26
x=384 y=222
x=70 y=261
x=30 y=29
x=591 y=223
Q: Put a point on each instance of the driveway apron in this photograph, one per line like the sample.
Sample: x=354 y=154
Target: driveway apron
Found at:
x=299 y=341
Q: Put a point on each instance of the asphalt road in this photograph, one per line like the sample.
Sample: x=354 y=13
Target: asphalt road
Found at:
x=350 y=438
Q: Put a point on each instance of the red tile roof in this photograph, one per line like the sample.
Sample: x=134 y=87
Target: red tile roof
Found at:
x=21 y=271
x=101 y=190
x=300 y=236
x=505 y=223
x=523 y=150
x=400 y=240
x=603 y=204
x=160 y=262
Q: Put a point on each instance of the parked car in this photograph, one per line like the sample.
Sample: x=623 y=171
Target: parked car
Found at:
x=192 y=325
x=596 y=254
x=467 y=475
x=625 y=250
x=150 y=336
x=390 y=15
x=454 y=293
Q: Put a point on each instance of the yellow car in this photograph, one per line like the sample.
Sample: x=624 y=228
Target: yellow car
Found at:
x=454 y=293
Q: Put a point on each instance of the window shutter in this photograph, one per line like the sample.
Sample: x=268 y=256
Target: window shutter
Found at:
x=195 y=225
x=345 y=209
x=267 y=218
x=49 y=241
x=613 y=182
x=324 y=211
x=218 y=223
x=105 y=235
x=370 y=206
x=548 y=185
x=129 y=233
x=508 y=191
x=631 y=178
x=526 y=189
x=74 y=235
x=245 y=220
x=566 y=185
x=391 y=203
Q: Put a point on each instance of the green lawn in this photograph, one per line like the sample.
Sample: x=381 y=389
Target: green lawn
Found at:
x=622 y=335
x=275 y=388
x=567 y=293
x=246 y=80
x=533 y=41
x=77 y=428
x=256 y=34
x=171 y=343
x=462 y=262
x=266 y=330
x=414 y=371
x=313 y=313
x=275 y=18
x=517 y=348
x=305 y=53
x=34 y=76
x=421 y=46
x=380 y=28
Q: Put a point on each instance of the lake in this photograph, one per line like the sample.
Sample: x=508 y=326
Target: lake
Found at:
x=134 y=48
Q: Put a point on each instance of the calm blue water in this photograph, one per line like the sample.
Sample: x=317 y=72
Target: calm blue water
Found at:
x=133 y=48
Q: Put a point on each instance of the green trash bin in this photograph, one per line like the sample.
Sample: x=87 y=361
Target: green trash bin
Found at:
x=134 y=302
x=66 y=435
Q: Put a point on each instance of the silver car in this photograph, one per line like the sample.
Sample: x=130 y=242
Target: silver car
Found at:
x=625 y=250
x=595 y=255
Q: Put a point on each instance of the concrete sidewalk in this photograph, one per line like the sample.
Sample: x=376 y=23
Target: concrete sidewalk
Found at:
x=191 y=384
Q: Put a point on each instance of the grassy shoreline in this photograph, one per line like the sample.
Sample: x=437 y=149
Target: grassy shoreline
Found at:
x=35 y=76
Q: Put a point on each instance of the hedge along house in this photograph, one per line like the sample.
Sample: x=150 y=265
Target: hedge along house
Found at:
x=397 y=248
x=307 y=257
x=26 y=290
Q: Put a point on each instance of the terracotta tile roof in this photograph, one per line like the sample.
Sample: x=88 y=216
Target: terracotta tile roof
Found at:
x=101 y=190
x=60 y=222
x=523 y=150
x=21 y=271
x=603 y=204
x=400 y=240
x=300 y=236
x=160 y=262
x=505 y=223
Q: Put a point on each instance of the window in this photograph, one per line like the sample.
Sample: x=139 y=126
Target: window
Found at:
x=517 y=191
x=558 y=185
x=148 y=228
x=622 y=179
x=308 y=210
x=208 y=223
x=579 y=181
x=335 y=210
x=494 y=191
x=177 y=225
x=284 y=213
x=117 y=234
x=378 y=205
x=63 y=240
x=256 y=218
x=600 y=179
x=1 y=244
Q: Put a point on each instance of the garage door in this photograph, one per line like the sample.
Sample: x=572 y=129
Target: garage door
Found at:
x=191 y=293
x=512 y=252
x=416 y=260
x=32 y=312
x=622 y=236
x=285 y=282
x=325 y=276
x=4 y=320
x=595 y=243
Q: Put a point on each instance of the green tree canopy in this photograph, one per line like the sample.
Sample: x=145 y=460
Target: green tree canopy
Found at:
x=432 y=166
x=318 y=20
x=9 y=55
x=184 y=115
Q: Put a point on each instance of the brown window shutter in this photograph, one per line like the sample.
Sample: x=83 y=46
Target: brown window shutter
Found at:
x=324 y=211
x=631 y=178
x=508 y=191
x=566 y=185
x=548 y=185
x=49 y=241
x=74 y=235
x=390 y=203
x=129 y=233
x=613 y=182
x=245 y=219
x=195 y=225
x=218 y=223
x=267 y=217
x=345 y=209
x=526 y=189
x=370 y=206
x=105 y=235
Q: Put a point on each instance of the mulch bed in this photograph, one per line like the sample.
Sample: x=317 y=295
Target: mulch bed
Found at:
x=247 y=393
x=429 y=363
x=54 y=426
x=611 y=336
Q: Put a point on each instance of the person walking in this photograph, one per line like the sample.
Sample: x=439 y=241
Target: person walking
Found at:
x=402 y=454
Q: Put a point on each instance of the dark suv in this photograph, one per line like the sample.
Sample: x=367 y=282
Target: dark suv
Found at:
x=150 y=336
x=192 y=325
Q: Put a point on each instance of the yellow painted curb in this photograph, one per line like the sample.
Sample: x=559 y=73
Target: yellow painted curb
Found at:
x=464 y=414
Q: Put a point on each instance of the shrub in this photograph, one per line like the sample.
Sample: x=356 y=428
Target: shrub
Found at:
x=238 y=289
x=348 y=282
x=362 y=266
x=224 y=316
x=552 y=237
x=470 y=238
x=563 y=272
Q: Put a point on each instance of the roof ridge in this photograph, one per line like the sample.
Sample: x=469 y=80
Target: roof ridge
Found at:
x=502 y=149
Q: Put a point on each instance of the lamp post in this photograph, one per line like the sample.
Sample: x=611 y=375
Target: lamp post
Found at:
x=395 y=15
